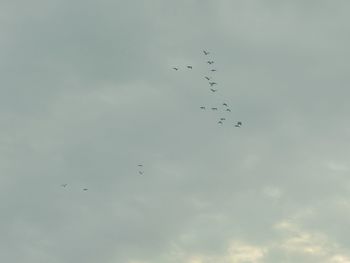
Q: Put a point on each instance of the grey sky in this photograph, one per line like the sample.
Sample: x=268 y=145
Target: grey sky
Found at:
x=88 y=92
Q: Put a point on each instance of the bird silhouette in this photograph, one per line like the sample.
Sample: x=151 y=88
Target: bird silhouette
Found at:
x=210 y=62
x=213 y=70
x=238 y=124
x=85 y=189
x=222 y=119
x=176 y=68
x=212 y=83
x=213 y=90
x=214 y=108
x=225 y=104
x=207 y=78
x=220 y=122
x=190 y=67
x=202 y=107
x=205 y=52
x=140 y=173
x=228 y=110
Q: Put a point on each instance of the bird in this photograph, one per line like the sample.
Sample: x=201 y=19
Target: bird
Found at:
x=176 y=68
x=214 y=108
x=212 y=83
x=213 y=70
x=205 y=52
x=63 y=185
x=238 y=124
x=207 y=78
x=220 y=122
x=190 y=67
x=210 y=62
x=222 y=119
x=202 y=107
x=140 y=172
x=225 y=104
x=228 y=110
x=213 y=90
x=85 y=189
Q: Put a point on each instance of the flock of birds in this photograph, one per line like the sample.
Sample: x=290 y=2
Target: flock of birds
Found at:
x=212 y=83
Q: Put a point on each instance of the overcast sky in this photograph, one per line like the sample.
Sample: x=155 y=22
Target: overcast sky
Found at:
x=88 y=92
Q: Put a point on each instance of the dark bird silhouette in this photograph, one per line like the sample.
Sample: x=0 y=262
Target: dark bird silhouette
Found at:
x=140 y=173
x=228 y=110
x=210 y=62
x=64 y=185
x=85 y=189
x=212 y=83
x=190 y=67
x=205 y=52
x=207 y=78
x=220 y=122
x=213 y=90
x=238 y=124
x=222 y=119
x=214 y=108
x=140 y=165
x=176 y=68
x=213 y=70
x=225 y=104
x=202 y=107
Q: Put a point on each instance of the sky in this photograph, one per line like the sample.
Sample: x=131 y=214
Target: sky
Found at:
x=88 y=92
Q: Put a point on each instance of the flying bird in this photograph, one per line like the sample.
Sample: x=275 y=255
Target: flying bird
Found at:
x=222 y=119
x=228 y=110
x=207 y=78
x=238 y=124
x=85 y=189
x=212 y=83
x=141 y=173
x=205 y=52
x=190 y=67
x=225 y=104
x=202 y=107
x=176 y=68
x=213 y=90
x=214 y=108
x=210 y=62
x=213 y=70
x=220 y=122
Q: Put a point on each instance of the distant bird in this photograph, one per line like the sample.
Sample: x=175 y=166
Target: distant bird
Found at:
x=220 y=122
x=85 y=189
x=205 y=52
x=63 y=185
x=212 y=83
x=238 y=124
x=210 y=62
x=213 y=90
x=190 y=67
x=222 y=119
x=214 y=108
x=225 y=104
x=176 y=68
x=141 y=173
x=202 y=107
x=213 y=70
x=228 y=110
x=207 y=78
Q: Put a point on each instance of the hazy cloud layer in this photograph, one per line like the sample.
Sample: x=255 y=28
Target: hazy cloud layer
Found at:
x=88 y=92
